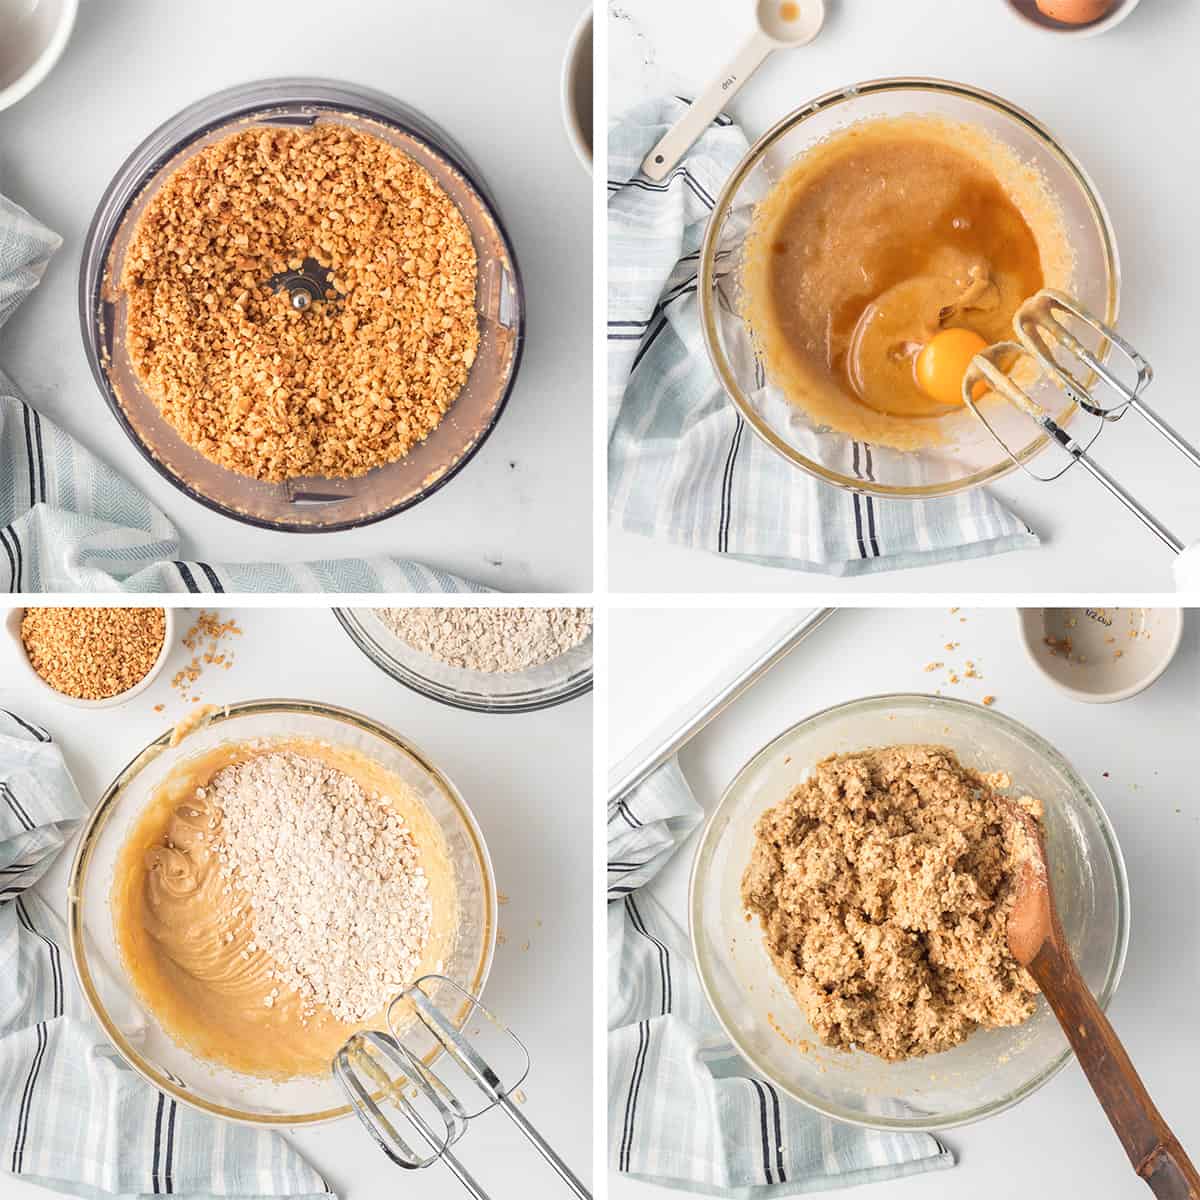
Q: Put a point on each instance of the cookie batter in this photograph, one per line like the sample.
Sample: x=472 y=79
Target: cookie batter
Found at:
x=883 y=885
x=875 y=241
x=187 y=937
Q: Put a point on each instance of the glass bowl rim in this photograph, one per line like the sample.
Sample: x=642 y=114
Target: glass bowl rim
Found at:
x=579 y=685
x=950 y=705
x=249 y=99
x=94 y=827
x=751 y=159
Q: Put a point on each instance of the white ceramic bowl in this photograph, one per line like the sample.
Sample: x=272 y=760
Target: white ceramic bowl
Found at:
x=33 y=35
x=1101 y=655
x=1028 y=11
x=12 y=627
x=577 y=90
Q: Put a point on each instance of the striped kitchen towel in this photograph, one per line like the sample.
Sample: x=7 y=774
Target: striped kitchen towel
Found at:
x=69 y=523
x=682 y=465
x=73 y=1116
x=684 y=1109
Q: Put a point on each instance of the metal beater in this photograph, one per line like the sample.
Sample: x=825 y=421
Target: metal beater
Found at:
x=1041 y=334
x=379 y=1071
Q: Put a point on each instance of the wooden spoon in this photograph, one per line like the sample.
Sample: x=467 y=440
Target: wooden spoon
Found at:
x=1036 y=939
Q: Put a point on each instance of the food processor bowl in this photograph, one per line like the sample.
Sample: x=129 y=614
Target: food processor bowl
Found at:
x=994 y=1068
x=968 y=456
x=549 y=683
x=311 y=504
x=125 y=1019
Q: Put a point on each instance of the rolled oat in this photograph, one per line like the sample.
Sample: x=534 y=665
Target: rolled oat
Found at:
x=339 y=897
x=490 y=639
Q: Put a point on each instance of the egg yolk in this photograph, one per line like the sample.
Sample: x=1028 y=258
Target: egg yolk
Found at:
x=943 y=361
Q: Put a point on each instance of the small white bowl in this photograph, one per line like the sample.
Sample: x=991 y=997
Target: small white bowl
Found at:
x=33 y=35
x=12 y=626
x=1101 y=655
x=577 y=74
x=1029 y=13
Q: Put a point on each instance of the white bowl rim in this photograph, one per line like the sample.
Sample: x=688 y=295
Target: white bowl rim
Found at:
x=1092 y=29
x=1123 y=911
x=1114 y=697
x=46 y=61
x=570 y=117
x=12 y=625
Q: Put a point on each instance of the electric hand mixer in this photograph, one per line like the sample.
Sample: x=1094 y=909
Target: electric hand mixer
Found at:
x=382 y=1072
x=1042 y=335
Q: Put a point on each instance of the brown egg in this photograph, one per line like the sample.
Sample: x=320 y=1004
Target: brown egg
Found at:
x=1076 y=12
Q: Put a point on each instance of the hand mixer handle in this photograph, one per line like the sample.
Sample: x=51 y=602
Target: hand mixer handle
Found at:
x=543 y=1148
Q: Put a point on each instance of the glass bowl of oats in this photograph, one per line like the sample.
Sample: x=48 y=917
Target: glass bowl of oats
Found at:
x=300 y=303
x=993 y=1068
x=491 y=659
x=226 y=976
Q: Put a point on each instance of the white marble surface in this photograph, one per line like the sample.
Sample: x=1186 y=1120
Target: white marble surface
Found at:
x=1123 y=103
x=518 y=517
x=527 y=778
x=1055 y=1143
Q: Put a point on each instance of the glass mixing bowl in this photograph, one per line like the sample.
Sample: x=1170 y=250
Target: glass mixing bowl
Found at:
x=993 y=1068
x=312 y=504
x=132 y=1028
x=970 y=455
x=554 y=682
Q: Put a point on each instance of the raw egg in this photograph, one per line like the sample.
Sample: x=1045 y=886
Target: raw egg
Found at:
x=1075 y=12
x=943 y=362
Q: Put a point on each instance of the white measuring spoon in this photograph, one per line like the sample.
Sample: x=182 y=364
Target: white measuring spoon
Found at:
x=782 y=25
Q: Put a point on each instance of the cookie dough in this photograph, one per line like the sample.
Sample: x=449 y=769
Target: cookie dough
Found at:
x=187 y=932
x=883 y=885
x=887 y=233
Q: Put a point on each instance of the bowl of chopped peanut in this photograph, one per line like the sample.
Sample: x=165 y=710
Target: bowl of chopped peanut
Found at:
x=299 y=302
x=91 y=657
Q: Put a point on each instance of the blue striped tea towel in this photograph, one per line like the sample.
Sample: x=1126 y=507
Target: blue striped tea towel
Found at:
x=683 y=1108
x=682 y=466
x=69 y=523
x=73 y=1116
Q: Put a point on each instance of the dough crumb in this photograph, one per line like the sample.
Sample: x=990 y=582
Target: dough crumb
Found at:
x=883 y=885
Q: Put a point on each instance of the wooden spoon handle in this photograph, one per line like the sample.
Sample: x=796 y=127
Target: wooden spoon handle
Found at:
x=1153 y=1149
